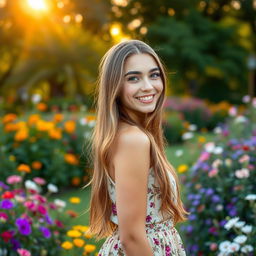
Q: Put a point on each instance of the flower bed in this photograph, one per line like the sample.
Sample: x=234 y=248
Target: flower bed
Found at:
x=221 y=192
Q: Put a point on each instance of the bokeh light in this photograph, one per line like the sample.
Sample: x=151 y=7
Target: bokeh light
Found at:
x=39 y=5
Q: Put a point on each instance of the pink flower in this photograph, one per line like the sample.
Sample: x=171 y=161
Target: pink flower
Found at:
x=42 y=209
x=39 y=181
x=213 y=173
x=213 y=246
x=232 y=111
x=244 y=158
x=3 y=216
x=204 y=156
x=23 y=252
x=13 y=179
x=30 y=205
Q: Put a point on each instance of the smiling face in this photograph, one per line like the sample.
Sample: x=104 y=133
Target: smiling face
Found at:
x=142 y=85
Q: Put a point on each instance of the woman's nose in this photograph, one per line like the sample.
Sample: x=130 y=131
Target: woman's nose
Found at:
x=147 y=85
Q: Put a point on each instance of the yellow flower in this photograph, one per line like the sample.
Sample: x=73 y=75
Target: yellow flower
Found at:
x=24 y=168
x=88 y=235
x=78 y=242
x=67 y=245
x=74 y=233
x=21 y=135
x=71 y=159
x=182 y=168
x=12 y=158
x=90 y=118
x=201 y=139
x=42 y=125
x=36 y=165
x=33 y=119
x=70 y=126
x=81 y=228
x=9 y=118
x=75 y=200
x=90 y=248
x=41 y=106
x=55 y=134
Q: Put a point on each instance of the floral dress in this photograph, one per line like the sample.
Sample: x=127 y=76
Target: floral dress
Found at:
x=162 y=235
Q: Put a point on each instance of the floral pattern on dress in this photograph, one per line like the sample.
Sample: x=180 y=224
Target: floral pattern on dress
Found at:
x=162 y=235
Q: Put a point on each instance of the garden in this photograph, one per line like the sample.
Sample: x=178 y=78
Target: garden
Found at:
x=47 y=116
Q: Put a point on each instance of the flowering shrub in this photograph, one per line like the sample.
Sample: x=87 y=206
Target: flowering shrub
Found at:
x=198 y=112
x=27 y=227
x=221 y=188
x=49 y=147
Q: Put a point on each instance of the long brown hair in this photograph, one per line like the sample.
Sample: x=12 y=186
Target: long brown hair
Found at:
x=109 y=112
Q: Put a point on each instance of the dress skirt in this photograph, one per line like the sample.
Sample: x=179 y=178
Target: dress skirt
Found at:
x=163 y=237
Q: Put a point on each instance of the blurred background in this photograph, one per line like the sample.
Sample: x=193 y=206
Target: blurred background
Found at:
x=50 y=52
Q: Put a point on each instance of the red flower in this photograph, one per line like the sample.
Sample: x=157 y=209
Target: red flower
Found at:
x=7 y=195
x=246 y=148
x=7 y=235
x=41 y=209
x=59 y=224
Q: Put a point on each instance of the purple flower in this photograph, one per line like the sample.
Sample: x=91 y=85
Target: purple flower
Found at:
x=148 y=218
x=15 y=243
x=194 y=248
x=6 y=204
x=23 y=226
x=222 y=223
x=232 y=212
x=215 y=198
x=208 y=222
x=189 y=228
x=196 y=202
x=46 y=232
x=209 y=191
x=192 y=217
x=3 y=185
x=48 y=219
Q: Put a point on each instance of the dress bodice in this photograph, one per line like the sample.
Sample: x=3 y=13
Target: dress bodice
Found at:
x=153 y=199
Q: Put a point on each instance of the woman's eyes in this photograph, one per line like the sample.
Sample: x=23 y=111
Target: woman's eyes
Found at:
x=136 y=78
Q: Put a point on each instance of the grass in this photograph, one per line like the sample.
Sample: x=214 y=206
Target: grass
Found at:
x=191 y=150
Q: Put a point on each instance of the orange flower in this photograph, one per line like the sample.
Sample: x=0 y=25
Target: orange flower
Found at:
x=90 y=118
x=71 y=159
x=72 y=213
x=24 y=168
x=9 y=118
x=75 y=181
x=41 y=106
x=21 y=135
x=36 y=165
x=43 y=126
x=58 y=117
x=10 y=127
x=33 y=119
x=70 y=126
x=55 y=134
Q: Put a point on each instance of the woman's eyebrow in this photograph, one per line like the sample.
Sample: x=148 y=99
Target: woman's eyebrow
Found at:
x=138 y=72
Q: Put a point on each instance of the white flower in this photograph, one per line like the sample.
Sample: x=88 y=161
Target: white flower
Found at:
x=187 y=135
x=36 y=98
x=209 y=147
x=52 y=188
x=231 y=223
x=218 y=150
x=216 y=163
x=29 y=184
x=232 y=111
x=240 y=239
x=250 y=197
x=219 y=207
x=247 y=229
x=247 y=248
x=233 y=247
x=224 y=246
x=223 y=254
x=241 y=119
x=83 y=121
x=239 y=224
x=60 y=203
x=179 y=152
x=246 y=99
x=228 y=162
x=217 y=130
x=192 y=127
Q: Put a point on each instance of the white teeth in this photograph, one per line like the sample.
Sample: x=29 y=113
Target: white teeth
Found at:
x=145 y=98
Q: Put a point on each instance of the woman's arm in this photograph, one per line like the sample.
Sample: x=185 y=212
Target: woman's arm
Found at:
x=132 y=162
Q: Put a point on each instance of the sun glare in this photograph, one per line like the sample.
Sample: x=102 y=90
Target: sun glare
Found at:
x=39 y=5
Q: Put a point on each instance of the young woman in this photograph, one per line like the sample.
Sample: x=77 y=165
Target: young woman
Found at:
x=135 y=198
